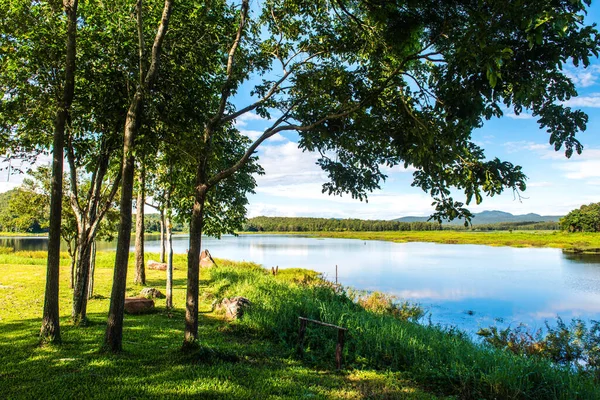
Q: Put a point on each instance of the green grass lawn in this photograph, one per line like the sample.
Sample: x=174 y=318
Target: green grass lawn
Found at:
x=229 y=364
x=385 y=357
x=586 y=242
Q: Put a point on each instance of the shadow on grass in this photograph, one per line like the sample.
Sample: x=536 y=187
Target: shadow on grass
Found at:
x=226 y=364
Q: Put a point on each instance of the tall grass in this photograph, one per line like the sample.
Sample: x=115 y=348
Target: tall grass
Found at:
x=444 y=360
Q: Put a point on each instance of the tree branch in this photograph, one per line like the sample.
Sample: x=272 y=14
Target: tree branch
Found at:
x=74 y=198
x=226 y=92
x=274 y=89
x=157 y=46
x=141 y=44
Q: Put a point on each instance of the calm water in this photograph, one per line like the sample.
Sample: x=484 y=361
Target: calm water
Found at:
x=466 y=285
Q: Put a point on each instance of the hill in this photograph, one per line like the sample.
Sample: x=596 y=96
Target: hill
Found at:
x=491 y=217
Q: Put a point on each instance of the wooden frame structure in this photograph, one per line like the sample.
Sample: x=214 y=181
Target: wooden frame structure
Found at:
x=340 y=338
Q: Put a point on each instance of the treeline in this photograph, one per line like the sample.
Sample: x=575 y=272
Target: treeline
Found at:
x=304 y=224
x=152 y=224
x=509 y=226
x=27 y=210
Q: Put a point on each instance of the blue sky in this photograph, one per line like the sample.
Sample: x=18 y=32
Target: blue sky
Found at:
x=292 y=183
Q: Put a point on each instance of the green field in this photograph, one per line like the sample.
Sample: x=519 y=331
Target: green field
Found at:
x=255 y=358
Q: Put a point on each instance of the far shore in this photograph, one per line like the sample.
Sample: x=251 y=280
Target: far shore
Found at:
x=587 y=242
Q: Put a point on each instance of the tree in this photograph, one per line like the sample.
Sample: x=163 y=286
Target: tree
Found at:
x=583 y=219
x=147 y=77
x=372 y=83
x=50 y=329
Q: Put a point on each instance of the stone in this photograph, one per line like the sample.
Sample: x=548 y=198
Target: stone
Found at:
x=138 y=305
x=157 y=265
x=151 y=293
x=235 y=306
x=206 y=259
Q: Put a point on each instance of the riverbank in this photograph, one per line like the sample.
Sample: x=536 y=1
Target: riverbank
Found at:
x=384 y=356
x=575 y=242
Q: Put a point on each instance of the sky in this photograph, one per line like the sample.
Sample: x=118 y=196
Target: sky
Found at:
x=292 y=182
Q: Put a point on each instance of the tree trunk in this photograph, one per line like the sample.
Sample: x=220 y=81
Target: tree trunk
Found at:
x=170 y=260
x=50 y=330
x=193 y=276
x=162 y=236
x=92 y=269
x=114 y=330
x=140 y=271
x=82 y=273
x=73 y=254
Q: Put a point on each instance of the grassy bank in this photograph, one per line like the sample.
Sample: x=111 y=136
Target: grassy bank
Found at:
x=254 y=357
x=577 y=242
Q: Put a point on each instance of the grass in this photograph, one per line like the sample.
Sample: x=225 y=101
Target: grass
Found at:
x=576 y=242
x=231 y=363
x=255 y=357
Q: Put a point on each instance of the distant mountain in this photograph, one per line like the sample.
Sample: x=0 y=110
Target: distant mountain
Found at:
x=491 y=217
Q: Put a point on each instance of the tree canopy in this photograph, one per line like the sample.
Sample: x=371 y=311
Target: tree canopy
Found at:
x=583 y=219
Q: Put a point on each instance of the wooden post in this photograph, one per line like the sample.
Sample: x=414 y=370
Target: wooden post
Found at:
x=336 y=274
x=339 y=349
x=301 y=333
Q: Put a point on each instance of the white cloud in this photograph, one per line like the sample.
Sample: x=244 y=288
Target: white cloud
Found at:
x=583 y=77
x=519 y=116
x=581 y=169
x=252 y=134
x=286 y=164
x=592 y=100
x=243 y=119
x=523 y=145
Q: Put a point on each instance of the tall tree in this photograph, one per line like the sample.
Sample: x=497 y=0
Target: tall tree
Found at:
x=147 y=77
x=50 y=330
x=372 y=83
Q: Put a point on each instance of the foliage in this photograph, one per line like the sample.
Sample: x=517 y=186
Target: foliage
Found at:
x=228 y=366
x=576 y=345
x=298 y=224
x=382 y=303
x=28 y=206
x=445 y=360
x=584 y=219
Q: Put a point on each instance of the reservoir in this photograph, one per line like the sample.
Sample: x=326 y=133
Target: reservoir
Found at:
x=468 y=286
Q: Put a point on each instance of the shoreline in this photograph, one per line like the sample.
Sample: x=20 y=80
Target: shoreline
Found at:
x=584 y=243
x=576 y=243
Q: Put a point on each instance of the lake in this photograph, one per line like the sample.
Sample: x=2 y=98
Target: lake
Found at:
x=469 y=286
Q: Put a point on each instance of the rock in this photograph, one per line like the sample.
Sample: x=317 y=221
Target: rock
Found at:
x=234 y=307
x=151 y=293
x=157 y=265
x=138 y=305
x=206 y=259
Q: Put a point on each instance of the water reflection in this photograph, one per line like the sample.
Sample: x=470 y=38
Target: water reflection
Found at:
x=466 y=285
